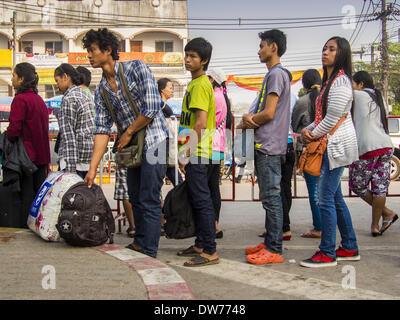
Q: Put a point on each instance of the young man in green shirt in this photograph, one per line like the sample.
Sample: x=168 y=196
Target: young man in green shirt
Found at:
x=198 y=124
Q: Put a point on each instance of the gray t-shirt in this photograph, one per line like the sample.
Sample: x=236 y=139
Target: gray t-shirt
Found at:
x=272 y=137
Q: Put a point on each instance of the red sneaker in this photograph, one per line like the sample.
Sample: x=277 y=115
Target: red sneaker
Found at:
x=319 y=260
x=343 y=254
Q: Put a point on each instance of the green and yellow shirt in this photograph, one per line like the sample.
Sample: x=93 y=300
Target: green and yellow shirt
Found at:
x=199 y=95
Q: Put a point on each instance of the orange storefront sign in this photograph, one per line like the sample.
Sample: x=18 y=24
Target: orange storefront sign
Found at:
x=164 y=58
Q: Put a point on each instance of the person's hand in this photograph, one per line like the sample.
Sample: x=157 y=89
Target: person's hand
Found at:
x=307 y=136
x=124 y=139
x=89 y=178
x=248 y=121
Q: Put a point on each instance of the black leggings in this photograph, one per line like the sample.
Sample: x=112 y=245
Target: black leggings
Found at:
x=30 y=186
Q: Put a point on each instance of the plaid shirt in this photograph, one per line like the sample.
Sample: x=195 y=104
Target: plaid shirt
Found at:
x=76 y=122
x=143 y=88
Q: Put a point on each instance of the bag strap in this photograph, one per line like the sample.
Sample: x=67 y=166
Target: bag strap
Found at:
x=125 y=91
x=338 y=124
x=107 y=100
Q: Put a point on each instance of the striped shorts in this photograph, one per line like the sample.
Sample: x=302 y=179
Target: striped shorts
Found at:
x=121 y=184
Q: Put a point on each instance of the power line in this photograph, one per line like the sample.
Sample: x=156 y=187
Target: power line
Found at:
x=193 y=26
x=63 y=10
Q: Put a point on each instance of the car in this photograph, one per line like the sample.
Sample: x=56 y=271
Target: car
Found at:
x=394 y=132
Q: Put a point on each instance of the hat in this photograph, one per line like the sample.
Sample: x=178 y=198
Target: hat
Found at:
x=217 y=74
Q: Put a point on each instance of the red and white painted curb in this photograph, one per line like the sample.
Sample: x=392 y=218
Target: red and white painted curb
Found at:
x=161 y=281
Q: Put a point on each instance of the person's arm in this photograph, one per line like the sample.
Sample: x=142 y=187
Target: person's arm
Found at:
x=134 y=127
x=269 y=111
x=99 y=148
x=103 y=124
x=199 y=126
x=16 y=118
x=147 y=87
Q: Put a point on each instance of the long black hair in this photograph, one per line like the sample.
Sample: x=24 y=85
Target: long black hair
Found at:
x=70 y=71
x=312 y=83
x=342 y=61
x=368 y=83
x=31 y=79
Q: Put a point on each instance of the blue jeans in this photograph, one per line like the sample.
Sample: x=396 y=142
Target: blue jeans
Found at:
x=268 y=169
x=334 y=211
x=312 y=187
x=144 y=188
x=198 y=178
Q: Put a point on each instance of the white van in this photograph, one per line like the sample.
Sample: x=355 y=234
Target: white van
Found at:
x=394 y=132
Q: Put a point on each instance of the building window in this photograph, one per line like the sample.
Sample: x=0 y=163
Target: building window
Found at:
x=164 y=46
x=26 y=46
x=136 y=46
x=52 y=47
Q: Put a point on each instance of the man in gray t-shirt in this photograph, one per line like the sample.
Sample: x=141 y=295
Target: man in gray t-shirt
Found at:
x=270 y=119
x=271 y=137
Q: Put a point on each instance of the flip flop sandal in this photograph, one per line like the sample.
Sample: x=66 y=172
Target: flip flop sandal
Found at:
x=129 y=230
x=189 y=252
x=310 y=234
x=393 y=220
x=132 y=247
x=200 y=261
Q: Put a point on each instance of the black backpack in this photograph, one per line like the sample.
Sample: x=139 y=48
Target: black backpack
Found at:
x=178 y=213
x=86 y=218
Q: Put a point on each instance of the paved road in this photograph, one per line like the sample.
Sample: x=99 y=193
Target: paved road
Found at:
x=87 y=273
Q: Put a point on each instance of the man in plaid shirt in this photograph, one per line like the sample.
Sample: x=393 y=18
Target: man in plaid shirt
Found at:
x=144 y=182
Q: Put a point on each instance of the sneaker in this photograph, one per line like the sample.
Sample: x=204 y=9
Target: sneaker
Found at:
x=343 y=254
x=319 y=260
x=253 y=250
x=264 y=256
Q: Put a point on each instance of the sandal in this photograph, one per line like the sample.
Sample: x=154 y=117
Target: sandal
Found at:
x=133 y=247
x=390 y=222
x=200 y=261
x=264 y=257
x=253 y=250
x=189 y=252
x=311 y=234
x=129 y=232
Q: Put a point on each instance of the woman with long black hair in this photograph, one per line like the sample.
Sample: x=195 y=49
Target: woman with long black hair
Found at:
x=76 y=122
x=375 y=148
x=334 y=103
x=29 y=121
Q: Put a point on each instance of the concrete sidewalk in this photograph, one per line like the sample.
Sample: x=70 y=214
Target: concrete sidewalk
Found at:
x=113 y=272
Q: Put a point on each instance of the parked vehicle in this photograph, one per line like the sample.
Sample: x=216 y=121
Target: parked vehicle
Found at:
x=394 y=132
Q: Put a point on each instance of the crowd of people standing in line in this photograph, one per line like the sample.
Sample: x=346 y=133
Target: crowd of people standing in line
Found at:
x=361 y=142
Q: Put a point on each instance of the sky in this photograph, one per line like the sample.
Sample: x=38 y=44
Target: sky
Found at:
x=235 y=51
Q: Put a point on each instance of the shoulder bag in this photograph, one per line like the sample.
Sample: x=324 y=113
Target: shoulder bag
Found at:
x=131 y=155
x=311 y=158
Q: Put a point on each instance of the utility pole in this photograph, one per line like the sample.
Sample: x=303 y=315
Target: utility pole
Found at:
x=14 y=29
x=372 y=58
x=385 y=55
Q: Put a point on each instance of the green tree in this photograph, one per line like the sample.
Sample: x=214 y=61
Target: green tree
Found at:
x=394 y=75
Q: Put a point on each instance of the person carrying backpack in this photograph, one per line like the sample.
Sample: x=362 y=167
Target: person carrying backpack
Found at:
x=144 y=181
